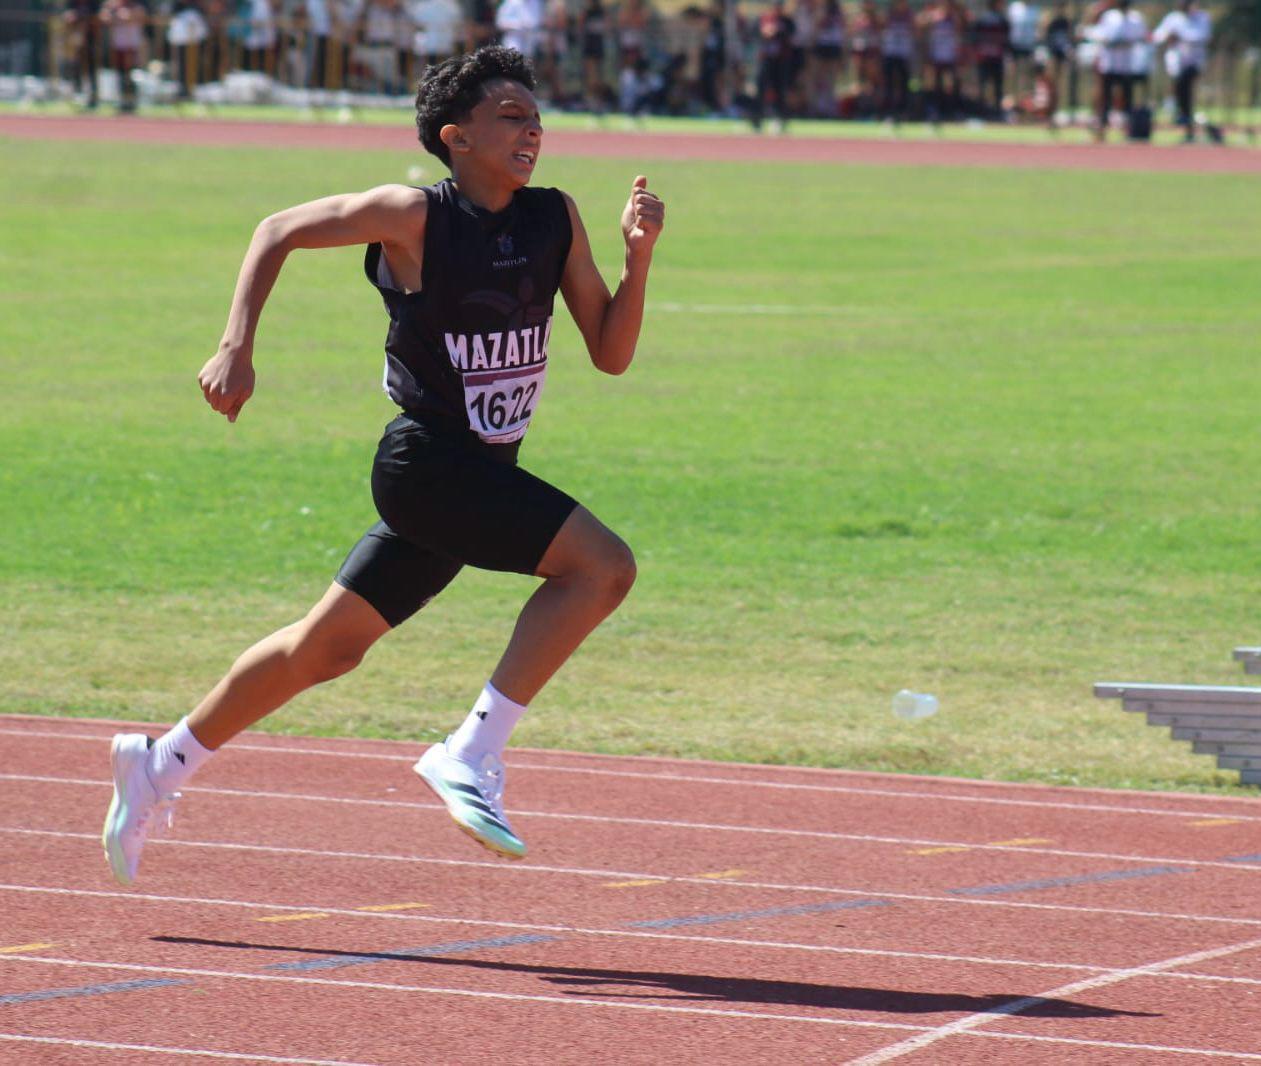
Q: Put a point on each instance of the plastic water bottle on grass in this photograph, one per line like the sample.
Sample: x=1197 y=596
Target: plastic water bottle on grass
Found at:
x=911 y=706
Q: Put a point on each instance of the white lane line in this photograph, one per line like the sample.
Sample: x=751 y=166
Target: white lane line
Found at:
x=1087 y=984
x=662 y=823
x=775 y=945
x=1116 y=1045
x=633 y=934
x=518 y=764
x=762 y=1016
x=203 y=1053
x=518 y=868
x=892 y=793
x=839 y=310
x=515 y=997
x=237 y=745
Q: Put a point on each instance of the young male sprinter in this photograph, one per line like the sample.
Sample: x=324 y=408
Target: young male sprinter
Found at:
x=468 y=269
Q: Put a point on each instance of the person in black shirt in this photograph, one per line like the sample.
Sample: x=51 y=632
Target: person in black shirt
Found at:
x=991 y=34
x=467 y=270
x=1058 y=39
x=81 y=21
x=594 y=27
x=713 y=87
x=775 y=29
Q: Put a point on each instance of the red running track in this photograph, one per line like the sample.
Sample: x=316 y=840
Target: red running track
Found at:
x=314 y=905
x=649 y=146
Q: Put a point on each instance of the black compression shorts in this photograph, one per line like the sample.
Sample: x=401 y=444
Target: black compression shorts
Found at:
x=445 y=501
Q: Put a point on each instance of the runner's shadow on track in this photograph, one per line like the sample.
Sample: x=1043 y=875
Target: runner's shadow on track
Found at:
x=658 y=984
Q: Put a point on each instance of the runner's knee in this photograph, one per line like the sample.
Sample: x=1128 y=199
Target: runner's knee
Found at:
x=614 y=571
x=319 y=653
x=587 y=552
x=329 y=661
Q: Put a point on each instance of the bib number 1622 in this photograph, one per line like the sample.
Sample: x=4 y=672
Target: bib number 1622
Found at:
x=500 y=403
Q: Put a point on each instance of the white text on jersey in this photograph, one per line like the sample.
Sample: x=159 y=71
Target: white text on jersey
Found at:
x=491 y=351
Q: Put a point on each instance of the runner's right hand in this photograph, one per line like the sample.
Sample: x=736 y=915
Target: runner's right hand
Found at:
x=227 y=380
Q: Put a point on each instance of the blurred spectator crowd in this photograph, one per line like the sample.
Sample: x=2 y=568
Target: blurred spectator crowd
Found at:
x=937 y=60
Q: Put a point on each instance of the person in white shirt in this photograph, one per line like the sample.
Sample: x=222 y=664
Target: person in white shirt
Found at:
x=405 y=29
x=347 y=33
x=125 y=20
x=1119 y=30
x=439 y=24
x=1023 y=17
x=186 y=33
x=380 y=37
x=520 y=23
x=1185 y=33
x=319 y=25
x=260 y=37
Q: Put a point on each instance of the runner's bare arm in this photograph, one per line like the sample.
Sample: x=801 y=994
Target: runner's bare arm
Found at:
x=391 y=214
x=610 y=324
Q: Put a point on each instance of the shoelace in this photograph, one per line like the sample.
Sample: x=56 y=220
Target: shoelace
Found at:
x=158 y=819
x=490 y=783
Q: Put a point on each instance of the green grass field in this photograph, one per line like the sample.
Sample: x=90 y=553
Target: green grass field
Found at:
x=990 y=434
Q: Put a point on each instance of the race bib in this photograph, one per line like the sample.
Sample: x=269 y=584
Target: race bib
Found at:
x=500 y=402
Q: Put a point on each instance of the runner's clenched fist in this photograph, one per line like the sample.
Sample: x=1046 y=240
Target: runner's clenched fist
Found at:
x=643 y=217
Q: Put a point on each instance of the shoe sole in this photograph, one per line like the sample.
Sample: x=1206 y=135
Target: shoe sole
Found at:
x=117 y=863
x=468 y=831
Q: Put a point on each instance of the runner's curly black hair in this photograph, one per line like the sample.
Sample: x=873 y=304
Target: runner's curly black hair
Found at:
x=449 y=90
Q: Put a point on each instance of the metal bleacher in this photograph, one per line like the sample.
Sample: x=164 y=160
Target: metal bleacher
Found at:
x=1220 y=720
x=1251 y=659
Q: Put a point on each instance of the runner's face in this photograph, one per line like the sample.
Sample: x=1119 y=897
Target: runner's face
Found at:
x=504 y=131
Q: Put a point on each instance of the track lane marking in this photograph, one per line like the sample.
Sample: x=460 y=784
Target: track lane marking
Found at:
x=381 y=908
x=456 y=947
x=922 y=1030
x=1116 y=1045
x=291 y=917
x=516 y=764
x=103 y=1045
x=1018 y=842
x=765 y=912
x=774 y=945
x=518 y=997
x=1102 y=877
x=1017 y=1006
x=23 y=949
x=42 y=995
x=837 y=311
x=158 y=1049
x=520 y=869
x=933 y=846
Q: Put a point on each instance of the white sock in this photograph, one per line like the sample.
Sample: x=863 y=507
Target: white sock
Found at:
x=174 y=758
x=487 y=727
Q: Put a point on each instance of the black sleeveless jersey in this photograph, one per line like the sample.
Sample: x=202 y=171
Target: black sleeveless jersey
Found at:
x=469 y=350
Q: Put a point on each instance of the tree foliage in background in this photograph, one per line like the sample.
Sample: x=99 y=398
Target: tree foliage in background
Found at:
x=1240 y=23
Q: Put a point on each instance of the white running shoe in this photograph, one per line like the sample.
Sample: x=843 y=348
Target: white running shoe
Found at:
x=136 y=807
x=474 y=797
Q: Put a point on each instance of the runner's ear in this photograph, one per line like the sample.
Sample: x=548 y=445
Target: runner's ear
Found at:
x=453 y=138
